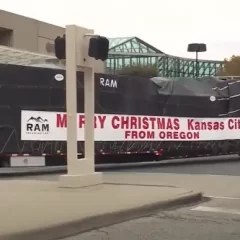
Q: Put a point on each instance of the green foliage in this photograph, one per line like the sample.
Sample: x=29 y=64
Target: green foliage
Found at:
x=139 y=70
x=231 y=67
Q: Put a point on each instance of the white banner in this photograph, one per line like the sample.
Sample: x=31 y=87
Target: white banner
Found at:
x=51 y=126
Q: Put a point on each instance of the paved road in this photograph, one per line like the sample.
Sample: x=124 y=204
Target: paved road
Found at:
x=142 y=166
x=231 y=168
x=214 y=220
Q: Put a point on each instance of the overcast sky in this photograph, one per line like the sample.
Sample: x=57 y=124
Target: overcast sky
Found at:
x=169 y=25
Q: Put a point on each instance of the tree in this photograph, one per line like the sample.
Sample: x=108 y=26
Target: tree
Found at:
x=230 y=67
x=139 y=70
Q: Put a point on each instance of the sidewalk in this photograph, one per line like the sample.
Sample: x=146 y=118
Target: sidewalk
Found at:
x=39 y=210
x=210 y=185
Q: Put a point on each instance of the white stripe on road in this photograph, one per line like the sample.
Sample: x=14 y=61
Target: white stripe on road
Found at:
x=227 y=198
x=216 y=210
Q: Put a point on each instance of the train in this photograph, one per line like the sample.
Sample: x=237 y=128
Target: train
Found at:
x=137 y=119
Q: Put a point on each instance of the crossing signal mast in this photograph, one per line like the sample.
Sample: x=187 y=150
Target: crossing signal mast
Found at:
x=79 y=47
x=98 y=47
x=60 y=47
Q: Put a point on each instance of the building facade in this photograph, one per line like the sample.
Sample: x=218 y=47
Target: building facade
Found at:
x=27 y=34
x=31 y=35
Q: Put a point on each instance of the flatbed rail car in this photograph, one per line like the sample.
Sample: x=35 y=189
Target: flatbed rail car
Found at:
x=43 y=89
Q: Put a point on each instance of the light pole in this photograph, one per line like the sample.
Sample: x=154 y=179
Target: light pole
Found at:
x=197 y=47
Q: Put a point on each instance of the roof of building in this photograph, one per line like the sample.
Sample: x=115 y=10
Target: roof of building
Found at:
x=133 y=44
x=19 y=57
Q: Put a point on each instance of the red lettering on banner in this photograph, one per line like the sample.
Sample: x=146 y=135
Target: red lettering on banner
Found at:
x=152 y=122
x=102 y=120
x=145 y=124
x=161 y=123
x=201 y=126
x=168 y=123
x=133 y=123
x=130 y=122
x=125 y=122
x=61 y=120
x=179 y=135
x=176 y=124
x=115 y=122
x=234 y=124
x=139 y=135
x=81 y=121
x=99 y=121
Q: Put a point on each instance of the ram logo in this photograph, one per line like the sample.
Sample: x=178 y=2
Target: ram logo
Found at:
x=37 y=126
x=110 y=83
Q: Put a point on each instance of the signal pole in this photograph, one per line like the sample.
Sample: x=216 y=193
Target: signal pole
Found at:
x=80 y=52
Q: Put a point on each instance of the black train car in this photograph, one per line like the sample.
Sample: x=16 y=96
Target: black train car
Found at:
x=36 y=89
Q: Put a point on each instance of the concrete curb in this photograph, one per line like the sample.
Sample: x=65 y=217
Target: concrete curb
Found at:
x=82 y=225
x=18 y=172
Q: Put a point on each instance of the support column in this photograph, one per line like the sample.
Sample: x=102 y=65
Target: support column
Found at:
x=81 y=173
x=71 y=103
x=89 y=108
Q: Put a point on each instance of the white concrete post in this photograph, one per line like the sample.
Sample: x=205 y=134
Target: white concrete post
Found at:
x=81 y=173
x=89 y=109
x=71 y=102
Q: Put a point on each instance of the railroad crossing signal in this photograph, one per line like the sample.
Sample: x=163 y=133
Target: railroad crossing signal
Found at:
x=98 y=47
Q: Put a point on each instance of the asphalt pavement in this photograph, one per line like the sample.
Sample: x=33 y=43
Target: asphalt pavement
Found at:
x=186 y=223
x=223 y=166
x=20 y=171
x=217 y=218
x=230 y=168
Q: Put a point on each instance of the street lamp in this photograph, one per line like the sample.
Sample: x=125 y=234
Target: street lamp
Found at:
x=197 y=47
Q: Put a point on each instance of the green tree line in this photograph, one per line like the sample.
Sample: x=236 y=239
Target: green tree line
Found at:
x=139 y=70
x=231 y=67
